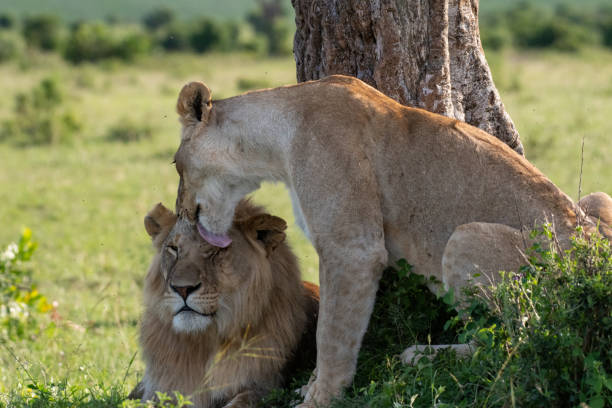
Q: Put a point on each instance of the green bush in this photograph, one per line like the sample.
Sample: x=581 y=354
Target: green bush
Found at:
x=606 y=31
x=43 y=31
x=269 y=20
x=89 y=42
x=132 y=46
x=7 y=21
x=127 y=131
x=209 y=35
x=525 y=25
x=495 y=38
x=39 y=119
x=11 y=45
x=555 y=326
x=158 y=18
x=175 y=37
x=92 y=42
x=542 y=338
x=20 y=303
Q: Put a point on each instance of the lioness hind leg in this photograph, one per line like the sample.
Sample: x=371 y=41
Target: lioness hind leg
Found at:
x=473 y=256
x=598 y=207
x=408 y=355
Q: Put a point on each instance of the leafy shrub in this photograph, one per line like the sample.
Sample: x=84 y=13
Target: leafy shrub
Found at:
x=206 y=36
x=209 y=34
x=567 y=28
x=39 y=119
x=6 y=21
x=11 y=45
x=132 y=46
x=127 y=131
x=175 y=37
x=543 y=338
x=20 y=302
x=92 y=42
x=89 y=42
x=269 y=20
x=158 y=18
x=42 y=32
x=555 y=326
x=606 y=32
x=495 y=38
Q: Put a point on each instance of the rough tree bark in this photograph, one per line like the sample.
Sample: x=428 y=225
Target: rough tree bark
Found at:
x=424 y=53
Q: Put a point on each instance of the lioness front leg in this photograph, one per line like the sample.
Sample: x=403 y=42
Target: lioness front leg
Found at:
x=348 y=276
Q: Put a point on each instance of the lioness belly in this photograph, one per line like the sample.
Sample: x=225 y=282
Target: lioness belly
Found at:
x=434 y=177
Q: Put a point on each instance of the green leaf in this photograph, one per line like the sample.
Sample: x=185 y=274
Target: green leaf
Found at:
x=597 y=402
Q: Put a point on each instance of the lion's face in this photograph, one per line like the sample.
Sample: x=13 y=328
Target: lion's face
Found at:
x=195 y=285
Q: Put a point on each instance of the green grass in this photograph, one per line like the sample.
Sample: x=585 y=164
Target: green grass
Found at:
x=85 y=202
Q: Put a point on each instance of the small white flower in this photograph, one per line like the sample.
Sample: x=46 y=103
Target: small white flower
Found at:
x=10 y=253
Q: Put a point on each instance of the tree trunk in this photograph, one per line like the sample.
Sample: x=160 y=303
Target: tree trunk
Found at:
x=423 y=53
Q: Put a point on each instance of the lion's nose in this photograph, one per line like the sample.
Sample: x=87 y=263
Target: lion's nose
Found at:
x=185 y=291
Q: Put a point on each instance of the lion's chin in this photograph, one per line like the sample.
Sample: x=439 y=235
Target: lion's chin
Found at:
x=190 y=322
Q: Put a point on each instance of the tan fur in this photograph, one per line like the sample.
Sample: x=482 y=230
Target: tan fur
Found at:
x=598 y=206
x=260 y=310
x=505 y=249
x=371 y=182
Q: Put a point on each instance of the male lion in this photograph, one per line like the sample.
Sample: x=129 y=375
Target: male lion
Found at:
x=223 y=325
x=371 y=182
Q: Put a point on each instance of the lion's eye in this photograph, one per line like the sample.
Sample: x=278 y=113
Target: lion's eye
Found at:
x=172 y=250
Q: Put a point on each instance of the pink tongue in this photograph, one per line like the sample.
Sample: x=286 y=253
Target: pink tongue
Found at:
x=221 y=241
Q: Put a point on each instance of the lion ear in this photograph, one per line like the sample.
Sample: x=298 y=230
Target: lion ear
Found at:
x=267 y=229
x=158 y=222
x=194 y=103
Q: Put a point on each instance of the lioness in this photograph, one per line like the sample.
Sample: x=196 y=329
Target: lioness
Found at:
x=223 y=326
x=371 y=182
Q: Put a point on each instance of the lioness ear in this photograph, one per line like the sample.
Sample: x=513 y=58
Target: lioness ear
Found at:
x=158 y=223
x=268 y=229
x=194 y=103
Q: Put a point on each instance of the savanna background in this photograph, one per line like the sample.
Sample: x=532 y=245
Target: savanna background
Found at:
x=88 y=131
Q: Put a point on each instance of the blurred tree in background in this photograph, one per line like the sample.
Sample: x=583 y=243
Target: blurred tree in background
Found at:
x=270 y=20
x=42 y=31
x=158 y=18
x=267 y=29
x=6 y=21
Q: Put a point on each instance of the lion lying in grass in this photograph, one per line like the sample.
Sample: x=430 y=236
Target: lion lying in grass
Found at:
x=223 y=326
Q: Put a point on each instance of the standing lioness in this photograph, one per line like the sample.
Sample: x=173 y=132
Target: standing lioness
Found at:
x=371 y=181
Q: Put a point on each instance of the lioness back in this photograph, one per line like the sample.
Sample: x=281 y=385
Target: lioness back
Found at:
x=427 y=167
